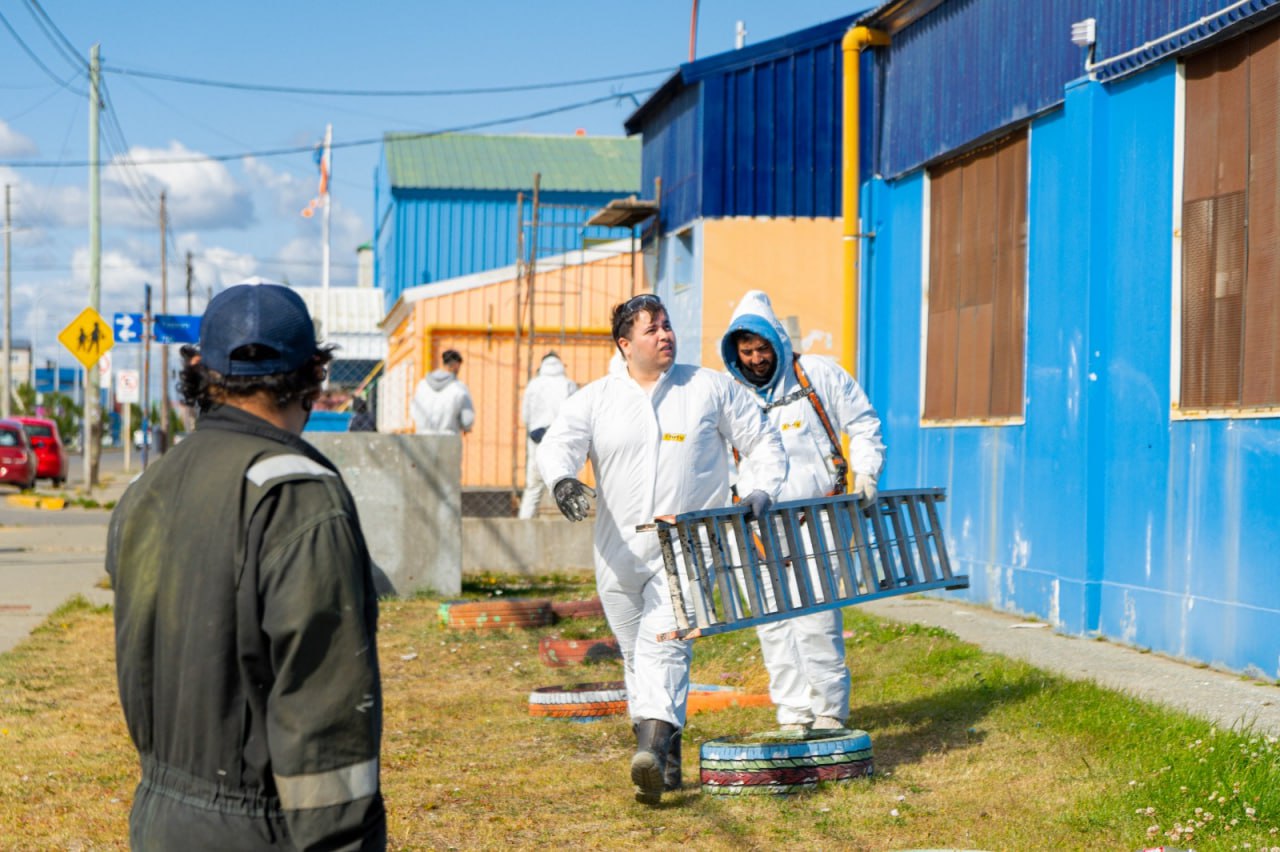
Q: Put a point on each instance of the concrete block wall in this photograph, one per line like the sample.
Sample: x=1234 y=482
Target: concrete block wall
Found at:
x=535 y=546
x=407 y=492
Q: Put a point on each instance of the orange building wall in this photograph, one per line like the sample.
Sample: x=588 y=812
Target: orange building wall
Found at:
x=572 y=308
x=798 y=262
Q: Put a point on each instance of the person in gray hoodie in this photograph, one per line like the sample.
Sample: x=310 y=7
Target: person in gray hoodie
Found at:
x=442 y=403
x=811 y=400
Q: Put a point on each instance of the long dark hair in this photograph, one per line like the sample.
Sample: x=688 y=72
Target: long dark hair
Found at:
x=204 y=388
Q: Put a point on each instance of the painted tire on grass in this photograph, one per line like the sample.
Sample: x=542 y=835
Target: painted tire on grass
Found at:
x=703 y=697
x=590 y=608
x=579 y=702
x=556 y=652
x=496 y=613
x=783 y=762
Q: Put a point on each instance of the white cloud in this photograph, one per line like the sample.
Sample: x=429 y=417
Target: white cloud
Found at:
x=201 y=193
x=15 y=144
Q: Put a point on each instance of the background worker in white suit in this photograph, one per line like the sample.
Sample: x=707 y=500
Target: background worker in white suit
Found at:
x=654 y=431
x=808 y=678
x=543 y=396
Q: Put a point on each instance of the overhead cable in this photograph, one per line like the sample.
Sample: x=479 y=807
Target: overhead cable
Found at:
x=354 y=143
x=66 y=84
x=374 y=93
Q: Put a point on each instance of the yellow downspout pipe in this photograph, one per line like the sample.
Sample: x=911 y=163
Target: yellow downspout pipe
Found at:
x=855 y=41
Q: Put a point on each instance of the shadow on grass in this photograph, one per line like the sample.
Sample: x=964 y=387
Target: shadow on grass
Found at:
x=941 y=721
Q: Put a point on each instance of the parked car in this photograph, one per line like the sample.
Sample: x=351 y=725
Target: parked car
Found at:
x=51 y=454
x=17 y=461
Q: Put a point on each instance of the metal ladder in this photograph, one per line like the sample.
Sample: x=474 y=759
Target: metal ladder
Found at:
x=725 y=572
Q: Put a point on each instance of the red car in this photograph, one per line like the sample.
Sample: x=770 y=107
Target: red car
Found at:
x=17 y=461
x=51 y=455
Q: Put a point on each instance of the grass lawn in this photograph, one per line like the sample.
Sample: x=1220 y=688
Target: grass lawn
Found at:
x=972 y=751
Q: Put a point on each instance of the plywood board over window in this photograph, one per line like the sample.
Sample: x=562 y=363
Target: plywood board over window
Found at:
x=976 y=330
x=1230 y=318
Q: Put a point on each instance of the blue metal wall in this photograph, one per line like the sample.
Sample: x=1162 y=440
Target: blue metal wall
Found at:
x=673 y=151
x=435 y=235
x=971 y=67
x=751 y=132
x=1101 y=513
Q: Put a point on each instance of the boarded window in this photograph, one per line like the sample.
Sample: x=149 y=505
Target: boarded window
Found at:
x=1231 y=225
x=977 y=284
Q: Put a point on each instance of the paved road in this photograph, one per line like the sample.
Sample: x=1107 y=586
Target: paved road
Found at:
x=47 y=557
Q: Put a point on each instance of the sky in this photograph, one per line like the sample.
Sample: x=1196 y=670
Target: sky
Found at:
x=234 y=203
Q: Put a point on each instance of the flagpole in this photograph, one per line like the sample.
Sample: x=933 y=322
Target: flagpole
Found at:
x=324 y=273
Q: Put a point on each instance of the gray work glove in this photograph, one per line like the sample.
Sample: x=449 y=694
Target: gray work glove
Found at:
x=571 y=496
x=757 y=503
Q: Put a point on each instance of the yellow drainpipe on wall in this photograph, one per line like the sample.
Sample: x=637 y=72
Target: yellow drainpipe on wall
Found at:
x=855 y=40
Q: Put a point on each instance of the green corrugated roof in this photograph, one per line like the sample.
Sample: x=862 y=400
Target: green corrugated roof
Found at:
x=465 y=161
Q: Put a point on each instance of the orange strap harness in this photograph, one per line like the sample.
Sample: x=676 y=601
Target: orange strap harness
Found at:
x=838 y=461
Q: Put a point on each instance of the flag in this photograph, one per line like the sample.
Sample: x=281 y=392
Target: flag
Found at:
x=322 y=163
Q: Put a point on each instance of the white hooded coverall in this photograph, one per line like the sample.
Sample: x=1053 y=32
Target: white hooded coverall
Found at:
x=654 y=453
x=805 y=654
x=543 y=396
x=442 y=404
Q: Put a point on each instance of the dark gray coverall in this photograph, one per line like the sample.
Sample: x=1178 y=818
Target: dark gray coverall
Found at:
x=245 y=620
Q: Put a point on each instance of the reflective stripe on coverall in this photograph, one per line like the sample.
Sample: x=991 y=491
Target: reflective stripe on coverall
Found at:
x=805 y=655
x=654 y=453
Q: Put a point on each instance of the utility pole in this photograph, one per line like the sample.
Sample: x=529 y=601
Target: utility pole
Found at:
x=92 y=432
x=326 y=170
x=164 y=347
x=189 y=281
x=8 y=308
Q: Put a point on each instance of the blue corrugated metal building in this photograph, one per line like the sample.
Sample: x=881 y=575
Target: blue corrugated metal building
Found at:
x=742 y=152
x=1108 y=506
x=445 y=204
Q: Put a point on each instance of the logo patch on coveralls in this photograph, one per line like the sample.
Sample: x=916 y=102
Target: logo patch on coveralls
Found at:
x=673 y=436
x=794 y=425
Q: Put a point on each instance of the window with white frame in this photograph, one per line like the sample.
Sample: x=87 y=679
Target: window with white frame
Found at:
x=976 y=324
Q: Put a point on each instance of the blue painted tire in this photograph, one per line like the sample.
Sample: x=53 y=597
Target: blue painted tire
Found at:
x=783 y=762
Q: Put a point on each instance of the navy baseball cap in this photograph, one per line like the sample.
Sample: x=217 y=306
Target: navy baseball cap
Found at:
x=265 y=315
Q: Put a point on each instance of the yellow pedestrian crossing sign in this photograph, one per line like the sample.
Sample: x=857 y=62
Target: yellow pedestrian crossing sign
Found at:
x=88 y=337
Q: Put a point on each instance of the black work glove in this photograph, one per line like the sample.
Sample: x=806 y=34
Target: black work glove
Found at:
x=571 y=496
x=757 y=503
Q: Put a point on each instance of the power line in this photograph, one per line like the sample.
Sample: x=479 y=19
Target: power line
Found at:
x=66 y=84
x=355 y=143
x=376 y=93
x=60 y=42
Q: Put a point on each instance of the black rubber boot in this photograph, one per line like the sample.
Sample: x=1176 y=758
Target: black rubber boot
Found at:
x=653 y=739
x=672 y=775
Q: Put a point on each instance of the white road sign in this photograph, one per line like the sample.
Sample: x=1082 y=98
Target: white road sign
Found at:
x=127 y=386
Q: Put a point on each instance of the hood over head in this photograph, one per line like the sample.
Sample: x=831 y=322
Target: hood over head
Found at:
x=551 y=365
x=755 y=314
x=438 y=379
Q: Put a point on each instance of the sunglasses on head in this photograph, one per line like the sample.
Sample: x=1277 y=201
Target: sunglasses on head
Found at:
x=643 y=302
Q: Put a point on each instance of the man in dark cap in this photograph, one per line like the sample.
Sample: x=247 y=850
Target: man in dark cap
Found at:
x=245 y=609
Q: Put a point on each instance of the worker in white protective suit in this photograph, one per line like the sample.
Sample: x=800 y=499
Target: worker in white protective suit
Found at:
x=808 y=678
x=543 y=396
x=442 y=403
x=654 y=431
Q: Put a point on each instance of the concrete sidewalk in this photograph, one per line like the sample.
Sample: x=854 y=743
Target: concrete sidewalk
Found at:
x=1225 y=699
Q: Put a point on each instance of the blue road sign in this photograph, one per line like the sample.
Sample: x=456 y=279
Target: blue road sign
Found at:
x=176 y=328
x=128 y=328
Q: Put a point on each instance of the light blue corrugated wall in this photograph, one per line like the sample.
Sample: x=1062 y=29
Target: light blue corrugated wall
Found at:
x=437 y=235
x=1101 y=512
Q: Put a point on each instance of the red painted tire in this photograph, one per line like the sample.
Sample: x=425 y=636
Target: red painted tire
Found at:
x=579 y=701
x=590 y=608
x=557 y=653
x=496 y=613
